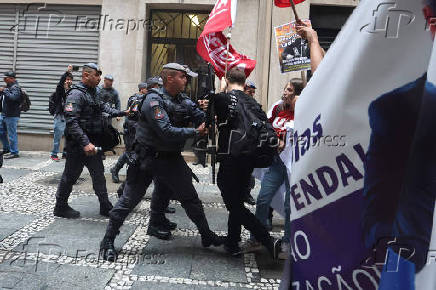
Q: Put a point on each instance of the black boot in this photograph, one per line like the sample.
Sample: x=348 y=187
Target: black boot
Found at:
x=105 y=206
x=159 y=231
x=62 y=209
x=120 y=189
x=114 y=171
x=249 y=199
x=212 y=239
x=169 y=225
x=107 y=249
x=233 y=249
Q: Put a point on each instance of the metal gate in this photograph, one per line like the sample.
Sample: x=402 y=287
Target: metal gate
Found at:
x=45 y=39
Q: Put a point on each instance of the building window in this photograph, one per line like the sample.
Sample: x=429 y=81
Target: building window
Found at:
x=328 y=21
x=176 y=41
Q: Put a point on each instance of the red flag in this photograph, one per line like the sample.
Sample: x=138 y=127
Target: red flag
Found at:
x=286 y=3
x=212 y=44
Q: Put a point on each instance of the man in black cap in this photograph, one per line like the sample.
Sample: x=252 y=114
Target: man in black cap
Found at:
x=160 y=137
x=10 y=102
x=109 y=94
x=129 y=131
x=84 y=128
x=154 y=83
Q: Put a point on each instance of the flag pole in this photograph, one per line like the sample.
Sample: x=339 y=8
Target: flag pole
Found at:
x=303 y=73
x=295 y=10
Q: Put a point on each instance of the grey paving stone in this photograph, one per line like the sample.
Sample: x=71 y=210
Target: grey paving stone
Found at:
x=11 y=174
x=215 y=264
x=26 y=161
x=89 y=207
x=269 y=269
x=11 y=222
x=17 y=275
x=55 y=166
x=218 y=267
x=84 y=183
x=139 y=285
x=75 y=238
x=174 y=258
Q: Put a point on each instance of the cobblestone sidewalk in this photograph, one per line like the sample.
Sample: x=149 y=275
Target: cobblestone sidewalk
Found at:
x=39 y=251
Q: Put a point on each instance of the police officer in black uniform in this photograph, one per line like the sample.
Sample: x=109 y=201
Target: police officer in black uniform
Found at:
x=160 y=137
x=84 y=127
x=129 y=131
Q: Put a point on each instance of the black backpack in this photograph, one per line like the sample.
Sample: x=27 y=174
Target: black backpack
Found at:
x=109 y=138
x=25 y=102
x=52 y=104
x=252 y=135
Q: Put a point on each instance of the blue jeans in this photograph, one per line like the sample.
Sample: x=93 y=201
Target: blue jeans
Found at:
x=59 y=128
x=271 y=182
x=8 y=133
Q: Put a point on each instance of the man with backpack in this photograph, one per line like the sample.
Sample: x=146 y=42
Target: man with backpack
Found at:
x=11 y=97
x=56 y=108
x=246 y=140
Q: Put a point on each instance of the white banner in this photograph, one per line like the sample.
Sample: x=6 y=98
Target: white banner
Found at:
x=363 y=181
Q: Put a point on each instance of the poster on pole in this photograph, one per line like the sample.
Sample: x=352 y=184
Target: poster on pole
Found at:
x=293 y=51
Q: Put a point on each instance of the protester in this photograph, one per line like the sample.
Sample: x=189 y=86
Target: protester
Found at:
x=58 y=102
x=282 y=120
x=250 y=88
x=10 y=102
x=235 y=171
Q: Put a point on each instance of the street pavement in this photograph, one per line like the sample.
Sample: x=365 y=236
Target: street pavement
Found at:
x=40 y=251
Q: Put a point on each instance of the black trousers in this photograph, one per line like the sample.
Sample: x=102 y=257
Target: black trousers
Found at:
x=123 y=159
x=136 y=184
x=74 y=167
x=173 y=180
x=233 y=179
x=199 y=146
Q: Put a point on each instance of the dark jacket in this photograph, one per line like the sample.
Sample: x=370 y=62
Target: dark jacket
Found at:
x=111 y=97
x=60 y=96
x=84 y=117
x=11 y=100
x=156 y=127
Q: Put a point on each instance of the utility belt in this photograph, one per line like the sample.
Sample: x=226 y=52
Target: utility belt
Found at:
x=146 y=154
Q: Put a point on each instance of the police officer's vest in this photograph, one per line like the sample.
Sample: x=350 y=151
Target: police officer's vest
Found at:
x=98 y=128
x=179 y=111
x=92 y=121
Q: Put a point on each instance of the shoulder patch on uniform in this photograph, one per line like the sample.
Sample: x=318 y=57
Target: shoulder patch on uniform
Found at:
x=154 y=103
x=158 y=114
x=69 y=107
